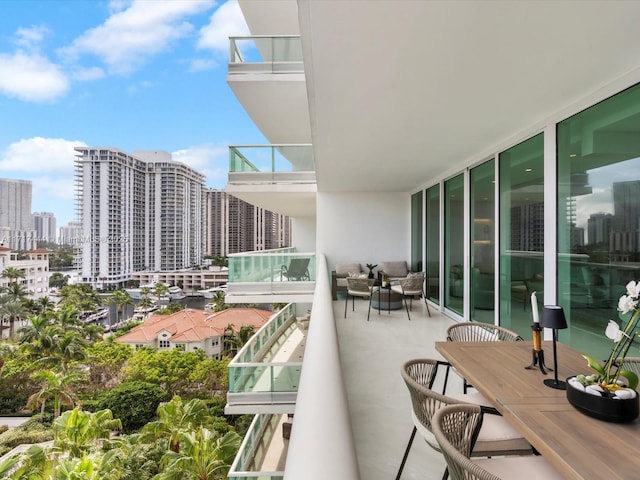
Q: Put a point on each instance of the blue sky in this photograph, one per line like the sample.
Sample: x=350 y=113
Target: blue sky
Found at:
x=128 y=74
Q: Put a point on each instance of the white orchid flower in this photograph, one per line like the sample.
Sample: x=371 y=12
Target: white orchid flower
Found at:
x=626 y=303
x=633 y=289
x=613 y=331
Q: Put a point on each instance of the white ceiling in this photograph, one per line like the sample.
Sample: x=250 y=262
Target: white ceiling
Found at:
x=402 y=91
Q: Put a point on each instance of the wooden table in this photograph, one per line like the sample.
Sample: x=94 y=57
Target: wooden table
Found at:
x=578 y=446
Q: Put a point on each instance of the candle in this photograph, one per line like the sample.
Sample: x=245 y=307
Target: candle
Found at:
x=534 y=308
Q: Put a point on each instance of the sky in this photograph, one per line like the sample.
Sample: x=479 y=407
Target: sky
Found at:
x=127 y=74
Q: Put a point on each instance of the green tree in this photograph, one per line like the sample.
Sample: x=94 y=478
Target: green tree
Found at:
x=160 y=290
x=16 y=292
x=219 y=301
x=134 y=403
x=56 y=386
x=80 y=296
x=170 y=369
x=204 y=455
x=58 y=280
x=13 y=311
x=122 y=299
x=77 y=432
x=175 y=418
x=13 y=274
x=105 y=361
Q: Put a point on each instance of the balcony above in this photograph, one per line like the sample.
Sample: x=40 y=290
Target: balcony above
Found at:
x=266 y=74
x=271 y=276
x=279 y=178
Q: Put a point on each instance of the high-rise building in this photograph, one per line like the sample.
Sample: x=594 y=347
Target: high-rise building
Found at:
x=16 y=229
x=233 y=226
x=138 y=212
x=44 y=224
x=70 y=234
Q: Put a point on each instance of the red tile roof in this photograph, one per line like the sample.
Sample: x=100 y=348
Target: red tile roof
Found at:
x=191 y=325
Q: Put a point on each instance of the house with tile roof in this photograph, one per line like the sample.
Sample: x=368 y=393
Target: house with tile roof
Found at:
x=191 y=329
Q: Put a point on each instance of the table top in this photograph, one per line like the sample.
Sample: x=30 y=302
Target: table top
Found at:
x=578 y=446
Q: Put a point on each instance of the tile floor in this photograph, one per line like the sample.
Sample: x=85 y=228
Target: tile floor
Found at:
x=372 y=354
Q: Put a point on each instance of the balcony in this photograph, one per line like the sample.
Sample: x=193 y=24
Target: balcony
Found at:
x=352 y=417
x=267 y=277
x=279 y=178
x=266 y=74
x=264 y=375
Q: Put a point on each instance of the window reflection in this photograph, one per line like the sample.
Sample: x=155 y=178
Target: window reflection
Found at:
x=598 y=215
x=454 y=243
x=521 y=232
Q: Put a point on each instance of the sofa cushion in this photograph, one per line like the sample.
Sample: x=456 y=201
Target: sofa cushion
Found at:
x=395 y=269
x=347 y=268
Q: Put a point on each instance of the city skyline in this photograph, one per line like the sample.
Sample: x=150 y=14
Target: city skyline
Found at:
x=128 y=75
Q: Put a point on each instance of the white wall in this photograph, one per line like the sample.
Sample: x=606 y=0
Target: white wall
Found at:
x=303 y=233
x=364 y=227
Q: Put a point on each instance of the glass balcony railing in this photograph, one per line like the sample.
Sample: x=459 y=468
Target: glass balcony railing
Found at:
x=257 y=368
x=269 y=266
x=271 y=158
x=271 y=53
x=249 y=464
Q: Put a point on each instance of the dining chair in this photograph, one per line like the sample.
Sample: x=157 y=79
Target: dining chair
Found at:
x=457 y=429
x=479 y=332
x=357 y=287
x=497 y=438
x=410 y=287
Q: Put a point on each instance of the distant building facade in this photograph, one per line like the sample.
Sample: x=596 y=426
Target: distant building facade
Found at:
x=70 y=234
x=34 y=264
x=16 y=229
x=44 y=223
x=233 y=226
x=138 y=212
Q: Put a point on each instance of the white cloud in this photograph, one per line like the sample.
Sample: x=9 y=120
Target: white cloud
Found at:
x=208 y=159
x=39 y=154
x=227 y=21
x=87 y=74
x=31 y=78
x=52 y=187
x=30 y=38
x=130 y=36
x=202 y=64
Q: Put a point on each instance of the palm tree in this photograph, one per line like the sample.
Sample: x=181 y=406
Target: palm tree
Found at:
x=77 y=431
x=16 y=292
x=204 y=456
x=218 y=300
x=160 y=289
x=12 y=311
x=44 y=304
x=234 y=341
x=122 y=299
x=58 y=386
x=175 y=418
x=13 y=274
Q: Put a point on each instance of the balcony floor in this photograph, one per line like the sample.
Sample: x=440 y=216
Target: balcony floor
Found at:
x=372 y=355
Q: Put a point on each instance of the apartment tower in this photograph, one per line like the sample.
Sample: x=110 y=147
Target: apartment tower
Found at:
x=16 y=230
x=44 y=224
x=234 y=226
x=138 y=212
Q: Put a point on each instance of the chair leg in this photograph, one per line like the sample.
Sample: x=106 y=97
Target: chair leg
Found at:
x=346 y=302
x=406 y=305
x=424 y=295
x=445 y=475
x=369 y=312
x=406 y=453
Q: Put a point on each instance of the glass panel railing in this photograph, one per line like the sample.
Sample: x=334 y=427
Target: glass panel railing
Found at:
x=256 y=367
x=250 y=461
x=272 y=266
x=271 y=158
x=265 y=49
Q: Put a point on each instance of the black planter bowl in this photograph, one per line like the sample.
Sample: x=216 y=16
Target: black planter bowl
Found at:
x=603 y=408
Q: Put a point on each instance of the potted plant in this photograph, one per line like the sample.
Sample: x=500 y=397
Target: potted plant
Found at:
x=371 y=266
x=609 y=394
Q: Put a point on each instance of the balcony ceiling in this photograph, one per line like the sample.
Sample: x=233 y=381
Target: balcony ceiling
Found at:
x=402 y=91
